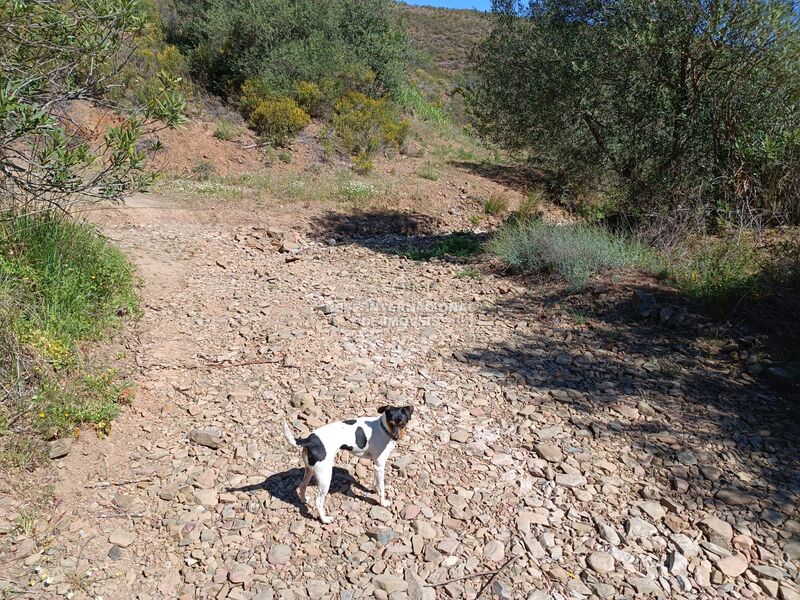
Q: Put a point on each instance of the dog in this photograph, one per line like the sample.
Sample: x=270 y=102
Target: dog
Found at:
x=373 y=437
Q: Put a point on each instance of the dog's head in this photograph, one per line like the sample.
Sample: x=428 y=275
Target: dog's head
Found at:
x=397 y=417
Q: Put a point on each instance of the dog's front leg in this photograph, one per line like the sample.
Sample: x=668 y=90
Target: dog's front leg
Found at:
x=379 y=484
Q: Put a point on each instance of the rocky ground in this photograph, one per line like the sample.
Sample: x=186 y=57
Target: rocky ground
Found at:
x=572 y=448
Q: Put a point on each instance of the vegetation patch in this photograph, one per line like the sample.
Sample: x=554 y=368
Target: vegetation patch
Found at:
x=495 y=204
x=456 y=245
x=573 y=253
x=60 y=285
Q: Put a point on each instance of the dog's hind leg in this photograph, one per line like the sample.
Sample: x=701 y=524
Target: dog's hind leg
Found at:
x=324 y=472
x=301 y=491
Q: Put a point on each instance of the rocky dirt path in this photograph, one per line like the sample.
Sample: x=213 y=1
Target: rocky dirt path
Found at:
x=584 y=454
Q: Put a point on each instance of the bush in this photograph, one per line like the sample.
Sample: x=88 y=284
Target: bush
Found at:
x=719 y=271
x=60 y=285
x=279 y=120
x=309 y=97
x=495 y=204
x=573 y=253
x=282 y=42
x=653 y=104
x=364 y=124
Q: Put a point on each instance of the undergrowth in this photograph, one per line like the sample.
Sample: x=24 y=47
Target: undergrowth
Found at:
x=61 y=284
x=573 y=253
x=458 y=245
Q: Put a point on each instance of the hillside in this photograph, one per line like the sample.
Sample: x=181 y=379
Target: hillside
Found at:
x=447 y=35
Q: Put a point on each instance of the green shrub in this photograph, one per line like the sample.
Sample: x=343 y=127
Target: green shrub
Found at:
x=362 y=163
x=279 y=120
x=90 y=399
x=719 y=271
x=459 y=244
x=309 y=97
x=530 y=208
x=203 y=171
x=364 y=124
x=664 y=104
x=573 y=253
x=428 y=171
x=282 y=42
x=495 y=204
x=225 y=130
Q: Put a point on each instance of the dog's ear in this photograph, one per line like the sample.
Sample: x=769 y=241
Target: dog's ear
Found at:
x=383 y=409
x=409 y=410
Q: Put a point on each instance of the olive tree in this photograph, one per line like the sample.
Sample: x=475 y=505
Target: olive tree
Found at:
x=52 y=54
x=651 y=106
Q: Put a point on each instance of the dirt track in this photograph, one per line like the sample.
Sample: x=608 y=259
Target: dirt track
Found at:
x=601 y=455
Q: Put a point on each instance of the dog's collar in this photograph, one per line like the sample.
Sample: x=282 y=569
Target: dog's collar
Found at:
x=386 y=429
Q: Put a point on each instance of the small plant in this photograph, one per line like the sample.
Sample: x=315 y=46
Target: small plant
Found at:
x=354 y=190
x=428 y=171
x=279 y=120
x=495 y=204
x=285 y=157
x=469 y=273
x=530 y=208
x=203 y=171
x=475 y=219
x=362 y=164
x=225 y=130
x=573 y=253
x=459 y=244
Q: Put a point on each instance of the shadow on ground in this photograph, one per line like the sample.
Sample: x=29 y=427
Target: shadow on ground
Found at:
x=519 y=178
x=411 y=234
x=283 y=486
x=667 y=391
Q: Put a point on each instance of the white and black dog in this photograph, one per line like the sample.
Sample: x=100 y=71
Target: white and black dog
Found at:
x=373 y=437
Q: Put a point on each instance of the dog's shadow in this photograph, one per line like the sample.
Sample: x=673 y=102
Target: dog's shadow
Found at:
x=283 y=486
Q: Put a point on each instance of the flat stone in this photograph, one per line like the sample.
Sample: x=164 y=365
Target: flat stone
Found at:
x=570 y=480
x=115 y=553
x=460 y=435
x=279 y=554
x=240 y=573
x=608 y=533
x=654 y=510
x=206 y=497
x=60 y=448
x=600 y=562
x=732 y=566
x=639 y=528
x=549 y=452
x=733 y=497
x=389 y=583
x=494 y=551
x=711 y=472
x=769 y=572
x=417 y=590
x=717 y=531
x=379 y=513
x=208 y=437
x=382 y=535
x=121 y=538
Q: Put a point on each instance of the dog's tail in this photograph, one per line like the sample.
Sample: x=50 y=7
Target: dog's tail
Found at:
x=288 y=433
